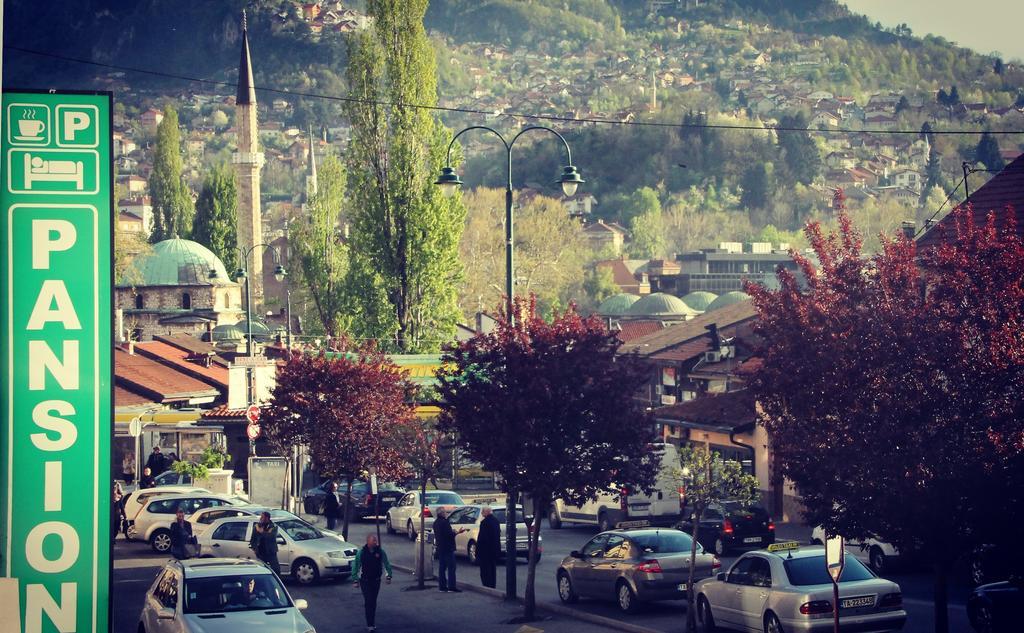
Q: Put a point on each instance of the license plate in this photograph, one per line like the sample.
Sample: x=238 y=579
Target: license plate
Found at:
x=639 y=506
x=752 y=539
x=853 y=603
x=682 y=587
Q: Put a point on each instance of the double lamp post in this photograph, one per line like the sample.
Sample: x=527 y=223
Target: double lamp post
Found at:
x=450 y=182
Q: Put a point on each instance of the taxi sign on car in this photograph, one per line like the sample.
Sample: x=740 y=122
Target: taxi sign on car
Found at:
x=784 y=546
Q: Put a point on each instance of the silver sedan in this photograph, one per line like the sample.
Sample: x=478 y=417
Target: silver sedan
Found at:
x=792 y=591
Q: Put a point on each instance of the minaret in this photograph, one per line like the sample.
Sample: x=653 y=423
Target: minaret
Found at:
x=311 y=187
x=248 y=161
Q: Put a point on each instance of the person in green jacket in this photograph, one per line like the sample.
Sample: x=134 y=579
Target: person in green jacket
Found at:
x=371 y=563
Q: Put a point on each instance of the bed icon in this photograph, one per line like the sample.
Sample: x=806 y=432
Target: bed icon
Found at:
x=38 y=169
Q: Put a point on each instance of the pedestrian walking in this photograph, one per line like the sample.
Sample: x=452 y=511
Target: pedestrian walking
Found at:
x=264 y=542
x=117 y=517
x=444 y=543
x=156 y=463
x=332 y=507
x=128 y=466
x=370 y=565
x=181 y=536
x=147 y=480
x=488 y=548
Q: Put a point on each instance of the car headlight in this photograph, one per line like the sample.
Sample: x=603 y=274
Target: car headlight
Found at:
x=336 y=554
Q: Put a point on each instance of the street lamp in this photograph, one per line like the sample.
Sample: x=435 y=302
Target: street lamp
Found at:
x=450 y=182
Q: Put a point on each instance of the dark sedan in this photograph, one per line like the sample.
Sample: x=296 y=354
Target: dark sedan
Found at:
x=363 y=502
x=731 y=525
x=996 y=607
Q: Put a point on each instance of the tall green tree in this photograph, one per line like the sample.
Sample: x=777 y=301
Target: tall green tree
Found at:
x=757 y=187
x=987 y=152
x=172 y=204
x=316 y=242
x=214 y=224
x=800 y=154
x=405 y=265
x=648 y=235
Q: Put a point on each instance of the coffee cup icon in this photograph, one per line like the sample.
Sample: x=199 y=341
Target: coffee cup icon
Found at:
x=30 y=128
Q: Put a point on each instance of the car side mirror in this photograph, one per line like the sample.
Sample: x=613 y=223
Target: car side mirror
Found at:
x=575 y=554
x=301 y=604
x=165 y=614
x=720 y=577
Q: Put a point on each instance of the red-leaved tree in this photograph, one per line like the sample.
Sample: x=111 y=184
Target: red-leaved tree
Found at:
x=348 y=408
x=551 y=408
x=893 y=388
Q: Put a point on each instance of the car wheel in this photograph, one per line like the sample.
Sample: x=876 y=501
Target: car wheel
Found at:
x=471 y=553
x=160 y=541
x=553 y=520
x=719 y=546
x=304 y=571
x=707 y=621
x=877 y=560
x=627 y=599
x=387 y=525
x=603 y=524
x=772 y=624
x=410 y=531
x=566 y=592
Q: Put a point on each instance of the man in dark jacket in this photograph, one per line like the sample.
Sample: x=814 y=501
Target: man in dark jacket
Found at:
x=444 y=542
x=181 y=535
x=488 y=548
x=156 y=462
x=264 y=542
x=371 y=563
x=332 y=507
x=147 y=480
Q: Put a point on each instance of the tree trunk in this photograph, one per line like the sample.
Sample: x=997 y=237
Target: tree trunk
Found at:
x=941 y=597
x=421 y=581
x=510 y=545
x=529 y=598
x=348 y=509
x=691 y=611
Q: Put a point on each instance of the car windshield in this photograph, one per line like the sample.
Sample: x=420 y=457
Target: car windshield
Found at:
x=499 y=514
x=299 y=530
x=811 y=570
x=669 y=541
x=234 y=593
x=446 y=498
x=735 y=506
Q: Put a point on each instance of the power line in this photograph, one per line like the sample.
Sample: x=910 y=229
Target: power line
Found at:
x=519 y=115
x=925 y=226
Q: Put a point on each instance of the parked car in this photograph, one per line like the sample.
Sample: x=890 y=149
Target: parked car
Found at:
x=220 y=595
x=305 y=552
x=731 y=525
x=633 y=567
x=996 y=607
x=661 y=507
x=135 y=501
x=468 y=518
x=876 y=554
x=171 y=478
x=405 y=514
x=792 y=591
x=363 y=502
x=204 y=518
x=153 y=523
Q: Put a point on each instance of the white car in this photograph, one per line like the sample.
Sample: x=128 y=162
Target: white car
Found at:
x=136 y=500
x=468 y=518
x=153 y=523
x=305 y=552
x=201 y=520
x=405 y=514
x=878 y=555
x=776 y=591
x=220 y=596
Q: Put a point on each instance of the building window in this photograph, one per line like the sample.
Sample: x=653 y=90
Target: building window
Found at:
x=140 y=303
x=186 y=301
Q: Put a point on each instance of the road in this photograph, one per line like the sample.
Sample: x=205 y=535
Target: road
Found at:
x=135 y=566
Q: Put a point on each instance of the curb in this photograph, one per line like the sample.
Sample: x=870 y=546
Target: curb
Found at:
x=583 y=616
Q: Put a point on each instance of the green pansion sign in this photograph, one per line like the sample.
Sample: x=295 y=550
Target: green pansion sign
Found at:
x=56 y=350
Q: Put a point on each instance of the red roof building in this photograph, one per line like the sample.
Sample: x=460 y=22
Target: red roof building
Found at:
x=148 y=378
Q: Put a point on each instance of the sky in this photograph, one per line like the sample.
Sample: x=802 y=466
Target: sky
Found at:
x=984 y=25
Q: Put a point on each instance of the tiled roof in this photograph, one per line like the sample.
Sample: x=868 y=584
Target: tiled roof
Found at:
x=222 y=412
x=1005 y=189
x=155 y=380
x=731 y=411
x=125 y=397
x=687 y=331
x=192 y=344
x=214 y=375
x=629 y=330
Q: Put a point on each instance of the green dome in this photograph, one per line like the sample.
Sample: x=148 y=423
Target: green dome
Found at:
x=728 y=299
x=260 y=332
x=228 y=332
x=617 y=305
x=699 y=300
x=176 y=262
x=660 y=304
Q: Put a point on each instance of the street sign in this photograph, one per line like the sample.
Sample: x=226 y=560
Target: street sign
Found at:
x=135 y=427
x=252 y=431
x=55 y=422
x=835 y=556
x=252 y=414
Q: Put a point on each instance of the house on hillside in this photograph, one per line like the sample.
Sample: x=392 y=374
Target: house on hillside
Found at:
x=605 y=236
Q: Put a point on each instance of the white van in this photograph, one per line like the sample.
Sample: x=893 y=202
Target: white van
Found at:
x=661 y=507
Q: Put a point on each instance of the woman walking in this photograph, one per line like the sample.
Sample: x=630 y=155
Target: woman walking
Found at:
x=371 y=563
x=117 y=517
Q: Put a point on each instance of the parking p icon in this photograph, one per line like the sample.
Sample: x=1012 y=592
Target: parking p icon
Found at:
x=77 y=126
